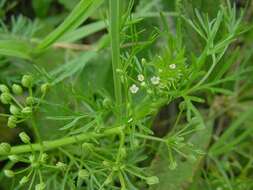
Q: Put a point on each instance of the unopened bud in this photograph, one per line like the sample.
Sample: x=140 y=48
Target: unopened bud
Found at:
x=5 y=98
x=14 y=110
x=9 y=173
x=17 y=89
x=24 y=137
x=83 y=174
x=27 y=81
x=152 y=180
x=5 y=148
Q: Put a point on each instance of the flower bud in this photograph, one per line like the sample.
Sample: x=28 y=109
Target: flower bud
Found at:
x=40 y=186
x=27 y=110
x=24 y=180
x=12 y=122
x=5 y=98
x=143 y=61
x=122 y=152
x=61 y=165
x=17 y=89
x=30 y=101
x=107 y=103
x=4 y=88
x=44 y=88
x=32 y=158
x=14 y=110
x=44 y=157
x=24 y=137
x=27 y=81
x=83 y=174
x=13 y=158
x=5 y=148
x=9 y=173
x=152 y=180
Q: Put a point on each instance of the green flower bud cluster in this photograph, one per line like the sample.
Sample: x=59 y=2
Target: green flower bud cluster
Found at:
x=20 y=111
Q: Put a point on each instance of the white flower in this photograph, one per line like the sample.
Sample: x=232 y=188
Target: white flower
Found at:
x=155 y=80
x=140 y=77
x=134 y=89
x=172 y=66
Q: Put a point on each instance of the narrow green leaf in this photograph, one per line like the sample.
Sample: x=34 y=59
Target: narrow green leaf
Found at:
x=15 y=48
x=79 y=14
x=83 y=32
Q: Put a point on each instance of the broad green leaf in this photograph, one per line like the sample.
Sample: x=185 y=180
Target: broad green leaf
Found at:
x=182 y=176
x=15 y=48
x=79 y=14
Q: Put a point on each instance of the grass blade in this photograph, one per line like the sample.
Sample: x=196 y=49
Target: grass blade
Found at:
x=79 y=14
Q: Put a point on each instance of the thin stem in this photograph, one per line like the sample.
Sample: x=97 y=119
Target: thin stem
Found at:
x=115 y=45
x=49 y=145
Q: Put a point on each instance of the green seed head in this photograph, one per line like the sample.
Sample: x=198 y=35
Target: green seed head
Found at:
x=12 y=122
x=24 y=180
x=14 y=110
x=4 y=88
x=17 y=89
x=5 y=98
x=27 y=81
x=9 y=173
x=27 y=110
x=83 y=174
x=61 y=165
x=5 y=148
x=30 y=100
x=152 y=180
x=24 y=138
x=40 y=186
x=44 y=158
x=107 y=103
x=44 y=88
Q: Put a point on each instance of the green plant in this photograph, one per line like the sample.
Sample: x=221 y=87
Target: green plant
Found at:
x=98 y=135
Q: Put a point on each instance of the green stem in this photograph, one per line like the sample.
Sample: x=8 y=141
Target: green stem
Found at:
x=115 y=46
x=49 y=145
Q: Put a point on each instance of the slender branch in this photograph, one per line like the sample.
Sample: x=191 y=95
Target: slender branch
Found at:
x=49 y=145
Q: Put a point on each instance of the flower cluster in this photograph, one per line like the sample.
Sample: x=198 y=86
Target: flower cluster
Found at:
x=21 y=110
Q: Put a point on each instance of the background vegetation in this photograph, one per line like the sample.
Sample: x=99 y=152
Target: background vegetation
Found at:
x=203 y=114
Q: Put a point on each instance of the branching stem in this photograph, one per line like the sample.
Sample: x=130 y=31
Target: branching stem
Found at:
x=49 y=145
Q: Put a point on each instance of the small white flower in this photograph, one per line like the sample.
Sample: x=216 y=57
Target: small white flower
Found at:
x=172 y=66
x=155 y=80
x=134 y=89
x=140 y=77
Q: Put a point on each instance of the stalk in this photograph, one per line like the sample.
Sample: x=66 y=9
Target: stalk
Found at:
x=115 y=48
x=49 y=145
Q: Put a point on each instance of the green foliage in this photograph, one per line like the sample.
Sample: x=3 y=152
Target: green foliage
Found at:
x=85 y=105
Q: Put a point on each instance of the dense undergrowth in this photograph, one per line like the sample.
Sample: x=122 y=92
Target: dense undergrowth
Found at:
x=133 y=94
